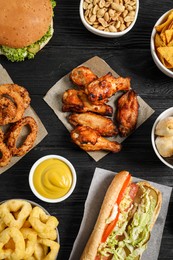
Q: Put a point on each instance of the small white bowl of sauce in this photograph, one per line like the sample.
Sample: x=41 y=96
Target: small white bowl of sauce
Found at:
x=52 y=178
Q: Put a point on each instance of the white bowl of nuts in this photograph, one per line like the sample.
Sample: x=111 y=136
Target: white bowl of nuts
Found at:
x=109 y=18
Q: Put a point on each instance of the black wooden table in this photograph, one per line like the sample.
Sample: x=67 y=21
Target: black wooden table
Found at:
x=130 y=56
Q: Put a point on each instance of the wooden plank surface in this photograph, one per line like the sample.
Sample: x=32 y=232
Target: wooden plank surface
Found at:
x=130 y=56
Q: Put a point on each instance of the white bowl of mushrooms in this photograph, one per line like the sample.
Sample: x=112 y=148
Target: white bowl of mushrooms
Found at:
x=162 y=137
x=109 y=18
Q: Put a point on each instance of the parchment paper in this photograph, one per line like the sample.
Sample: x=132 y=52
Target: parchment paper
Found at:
x=42 y=132
x=99 y=185
x=100 y=68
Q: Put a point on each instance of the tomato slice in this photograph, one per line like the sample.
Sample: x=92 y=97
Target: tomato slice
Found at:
x=126 y=183
x=111 y=226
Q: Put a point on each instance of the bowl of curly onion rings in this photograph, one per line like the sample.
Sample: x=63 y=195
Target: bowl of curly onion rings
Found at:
x=27 y=231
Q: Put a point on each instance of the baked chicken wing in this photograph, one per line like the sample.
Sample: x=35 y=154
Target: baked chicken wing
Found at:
x=103 y=125
x=127 y=113
x=90 y=140
x=82 y=76
x=99 y=90
x=77 y=101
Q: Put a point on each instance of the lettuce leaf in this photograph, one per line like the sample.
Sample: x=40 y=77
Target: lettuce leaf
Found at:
x=134 y=235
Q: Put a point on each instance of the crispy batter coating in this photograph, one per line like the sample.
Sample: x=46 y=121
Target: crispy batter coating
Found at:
x=77 y=101
x=90 y=140
x=22 y=92
x=7 y=110
x=5 y=154
x=30 y=238
x=127 y=113
x=53 y=248
x=1 y=135
x=82 y=76
x=15 y=96
x=44 y=224
x=8 y=208
x=19 y=244
x=101 y=89
x=14 y=99
x=14 y=132
x=103 y=125
x=25 y=230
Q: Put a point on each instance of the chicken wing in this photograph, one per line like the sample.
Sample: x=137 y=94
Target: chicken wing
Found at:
x=82 y=76
x=90 y=140
x=102 y=124
x=127 y=113
x=77 y=101
x=101 y=89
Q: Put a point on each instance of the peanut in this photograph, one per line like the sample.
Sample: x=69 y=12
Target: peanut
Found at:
x=109 y=15
x=128 y=19
x=106 y=16
x=117 y=7
x=112 y=28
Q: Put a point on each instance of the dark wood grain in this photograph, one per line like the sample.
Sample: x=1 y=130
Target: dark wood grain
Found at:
x=130 y=56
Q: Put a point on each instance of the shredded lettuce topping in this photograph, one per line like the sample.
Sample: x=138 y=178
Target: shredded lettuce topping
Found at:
x=129 y=239
x=20 y=54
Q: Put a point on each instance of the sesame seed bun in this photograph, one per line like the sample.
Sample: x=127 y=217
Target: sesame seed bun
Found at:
x=24 y=22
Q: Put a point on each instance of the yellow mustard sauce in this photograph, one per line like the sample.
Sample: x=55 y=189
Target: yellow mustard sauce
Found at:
x=52 y=178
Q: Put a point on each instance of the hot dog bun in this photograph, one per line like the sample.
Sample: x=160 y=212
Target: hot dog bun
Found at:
x=110 y=198
x=90 y=250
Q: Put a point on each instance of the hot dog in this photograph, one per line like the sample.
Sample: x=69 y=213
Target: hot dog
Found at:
x=127 y=215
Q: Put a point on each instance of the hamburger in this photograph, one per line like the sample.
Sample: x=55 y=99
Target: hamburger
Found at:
x=25 y=26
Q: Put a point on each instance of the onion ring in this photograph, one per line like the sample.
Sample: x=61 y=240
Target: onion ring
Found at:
x=14 y=133
x=8 y=208
x=5 y=153
x=7 y=110
x=18 y=100
x=22 y=92
x=18 y=242
x=16 y=235
x=53 y=248
x=1 y=135
x=44 y=224
x=40 y=251
x=30 y=238
x=2 y=225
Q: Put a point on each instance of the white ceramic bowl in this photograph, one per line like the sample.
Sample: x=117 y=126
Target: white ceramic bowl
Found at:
x=157 y=61
x=73 y=172
x=167 y=161
x=103 y=33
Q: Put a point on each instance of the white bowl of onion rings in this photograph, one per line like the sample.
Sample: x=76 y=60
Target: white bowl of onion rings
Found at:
x=31 y=228
x=52 y=178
